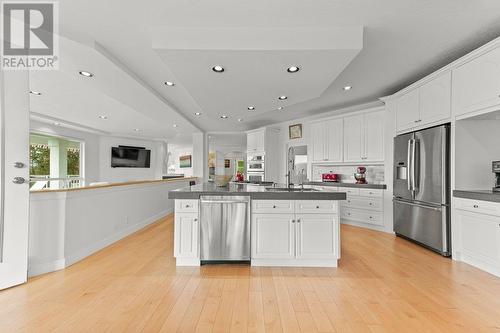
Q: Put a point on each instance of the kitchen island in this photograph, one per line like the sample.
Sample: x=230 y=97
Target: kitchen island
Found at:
x=288 y=227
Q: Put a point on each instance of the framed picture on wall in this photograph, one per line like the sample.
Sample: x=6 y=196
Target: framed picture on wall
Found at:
x=185 y=161
x=295 y=131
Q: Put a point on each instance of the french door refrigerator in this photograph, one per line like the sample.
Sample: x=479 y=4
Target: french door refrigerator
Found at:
x=422 y=187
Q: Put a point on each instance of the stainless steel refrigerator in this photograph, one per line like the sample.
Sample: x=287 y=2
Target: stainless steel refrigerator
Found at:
x=422 y=187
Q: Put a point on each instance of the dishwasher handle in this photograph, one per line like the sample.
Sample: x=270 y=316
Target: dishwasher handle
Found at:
x=221 y=201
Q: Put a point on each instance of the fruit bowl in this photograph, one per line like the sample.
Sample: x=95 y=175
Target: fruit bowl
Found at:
x=222 y=181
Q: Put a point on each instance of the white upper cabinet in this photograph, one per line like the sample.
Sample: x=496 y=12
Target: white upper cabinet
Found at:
x=426 y=104
x=364 y=137
x=326 y=138
x=408 y=110
x=255 y=141
x=476 y=84
x=435 y=99
x=374 y=136
x=353 y=138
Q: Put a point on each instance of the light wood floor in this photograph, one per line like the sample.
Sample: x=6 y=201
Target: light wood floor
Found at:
x=383 y=284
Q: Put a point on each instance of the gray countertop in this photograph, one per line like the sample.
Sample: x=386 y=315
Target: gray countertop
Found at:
x=253 y=191
x=485 y=195
x=340 y=184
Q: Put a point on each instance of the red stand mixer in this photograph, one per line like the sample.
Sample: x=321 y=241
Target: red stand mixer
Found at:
x=360 y=175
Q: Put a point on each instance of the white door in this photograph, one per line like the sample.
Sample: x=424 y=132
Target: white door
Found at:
x=335 y=137
x=408 y=110
x=374 y=136
x=476 y=84
x=187 y=234
x=353 y=138
x=273 y=236
x=14 y=198
x=316 y=236
x=435 y=99
x=318 y=139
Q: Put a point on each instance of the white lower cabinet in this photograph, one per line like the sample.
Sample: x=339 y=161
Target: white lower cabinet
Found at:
x=316 y=236
x=478 y=236
x=364 y=206
x=307 y=237
x=186 y=235
x=273 y=236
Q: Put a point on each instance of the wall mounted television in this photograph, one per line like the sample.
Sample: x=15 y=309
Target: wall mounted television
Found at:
x=130 y=157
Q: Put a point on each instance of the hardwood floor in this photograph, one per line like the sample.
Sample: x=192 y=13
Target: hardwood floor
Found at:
x=383 y=284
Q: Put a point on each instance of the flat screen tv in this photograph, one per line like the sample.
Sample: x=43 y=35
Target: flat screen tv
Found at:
x=130 y=157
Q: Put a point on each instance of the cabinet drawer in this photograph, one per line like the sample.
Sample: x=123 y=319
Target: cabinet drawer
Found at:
x=363 y=203
x=186 y=206
x=364 y=192
x=375 y=218
x=349 y=191
x=319 y=206
x=272 y=206
x=478 y=206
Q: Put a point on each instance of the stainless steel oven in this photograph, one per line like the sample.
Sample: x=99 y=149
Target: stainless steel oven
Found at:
x=255 y=176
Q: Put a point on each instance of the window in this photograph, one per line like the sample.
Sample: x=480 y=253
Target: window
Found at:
x=55 y=162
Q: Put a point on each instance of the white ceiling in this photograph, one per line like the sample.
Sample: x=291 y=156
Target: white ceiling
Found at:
x=403 y=41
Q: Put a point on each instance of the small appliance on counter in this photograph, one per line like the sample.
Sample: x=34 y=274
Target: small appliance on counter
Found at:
x=360 y=175
x=330 y=177
x=495 y=167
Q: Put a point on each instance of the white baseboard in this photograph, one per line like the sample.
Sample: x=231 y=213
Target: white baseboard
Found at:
x=70 y=259
x=35 y=269
x=187 y=261
x=295 y=262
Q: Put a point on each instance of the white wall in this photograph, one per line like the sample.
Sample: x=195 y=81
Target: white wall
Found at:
x=109 y=174
x=97 y=154
x=65 y=227
x=477 y=144
x=180 y=150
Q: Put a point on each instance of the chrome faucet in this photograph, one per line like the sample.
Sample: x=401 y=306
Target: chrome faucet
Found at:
x=288 y=180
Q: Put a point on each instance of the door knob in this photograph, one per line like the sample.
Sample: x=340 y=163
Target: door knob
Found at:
x=18 y=180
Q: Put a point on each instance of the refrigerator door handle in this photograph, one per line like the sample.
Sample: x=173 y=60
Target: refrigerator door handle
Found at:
x=418 y=204
x=409 y=171
x=415 y=165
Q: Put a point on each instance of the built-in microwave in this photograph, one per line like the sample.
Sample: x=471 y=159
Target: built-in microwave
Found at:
x=255 y=167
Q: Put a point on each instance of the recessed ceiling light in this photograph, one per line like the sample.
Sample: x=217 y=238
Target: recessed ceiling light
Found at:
x=251 y=108
x=346 y=88
x=282 y=98
x=102 y=116
x=197 y=113
x=293 y=69
x=240 y=119
x=85 y=73
x=175 y=125
x=169 y=83
x=280 y=108
x=35 y=92
x=136 y=129
x=57 y=124
x=218 y=69
x=224 y=116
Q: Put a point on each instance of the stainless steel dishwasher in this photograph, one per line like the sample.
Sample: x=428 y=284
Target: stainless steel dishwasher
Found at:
x=224 y=228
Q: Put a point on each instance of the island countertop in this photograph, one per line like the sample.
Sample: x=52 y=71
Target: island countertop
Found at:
x=253 y=191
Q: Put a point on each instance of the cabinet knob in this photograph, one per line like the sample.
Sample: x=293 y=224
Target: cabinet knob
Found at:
x=195 y=220
x=274 y=206
x=475 y=206
x=371 y=217
x=317 y=207
x=371 y=204
x=298 y=220
x=187 y=206
x=293 y=221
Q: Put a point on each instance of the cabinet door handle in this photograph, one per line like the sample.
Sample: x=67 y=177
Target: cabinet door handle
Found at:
x=475 y=206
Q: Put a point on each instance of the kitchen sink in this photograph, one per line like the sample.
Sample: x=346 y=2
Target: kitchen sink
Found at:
x=286 y=189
